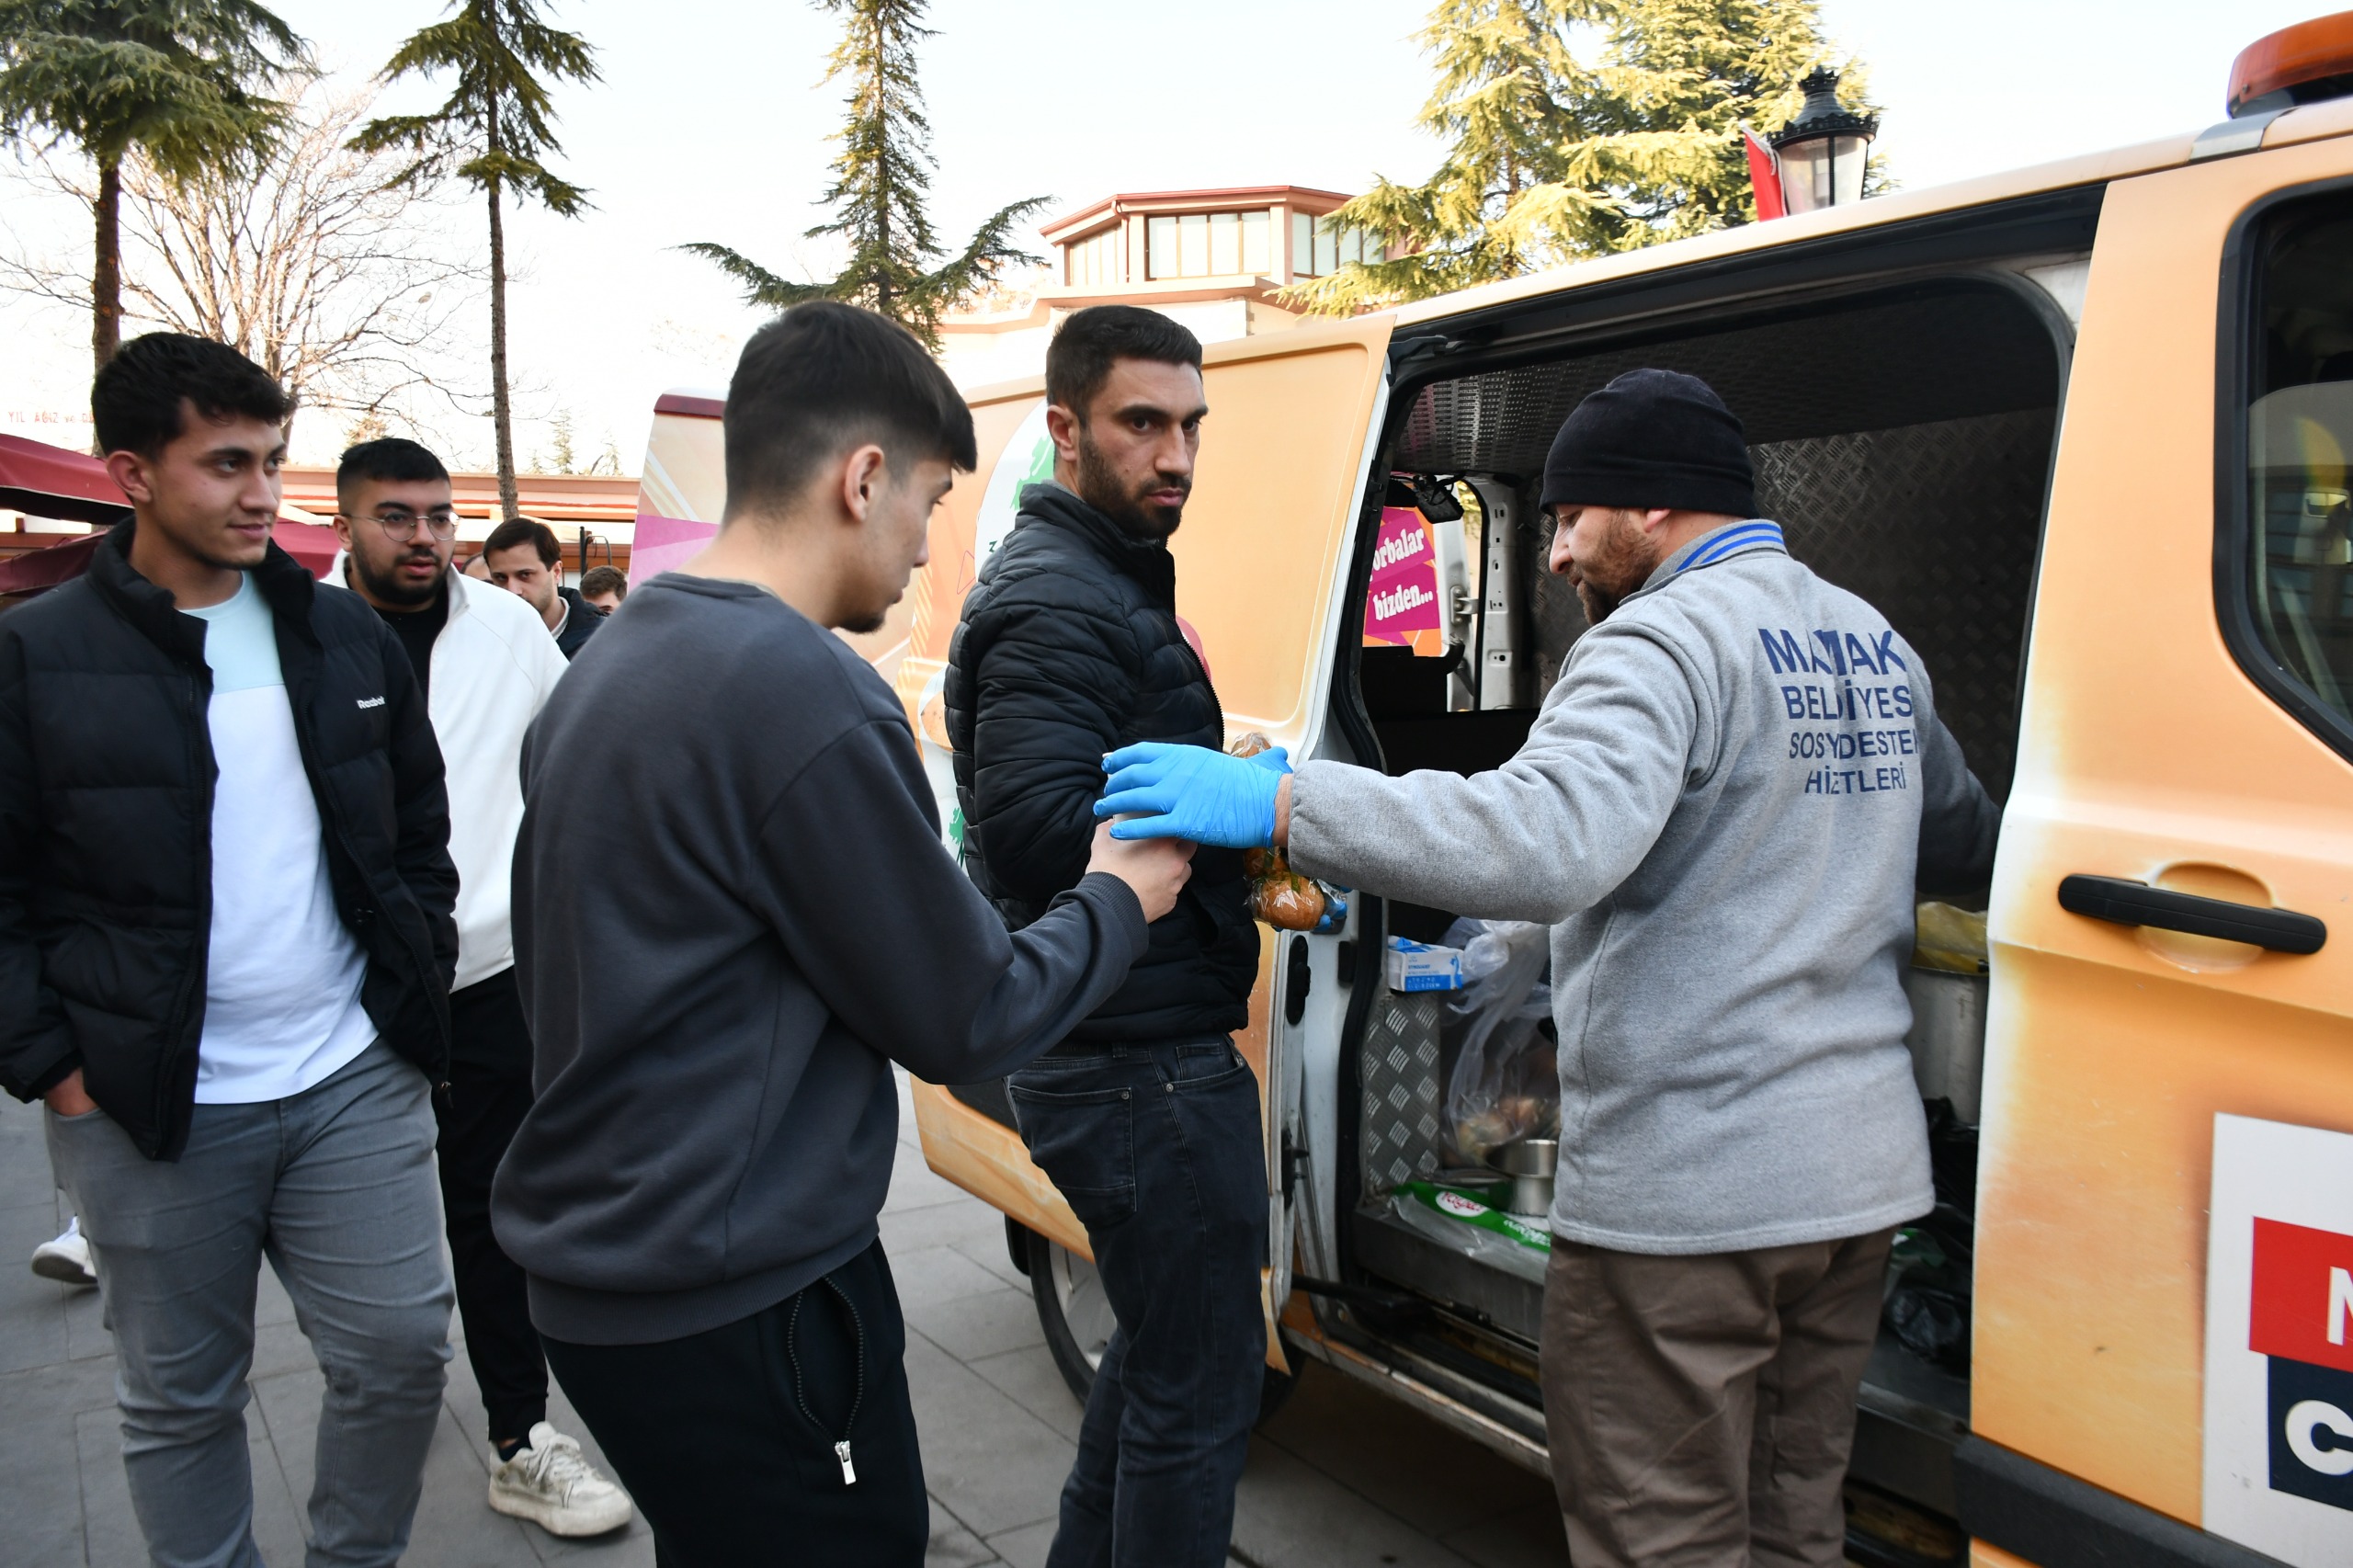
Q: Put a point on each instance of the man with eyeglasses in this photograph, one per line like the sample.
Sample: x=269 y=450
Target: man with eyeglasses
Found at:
x=485 y=664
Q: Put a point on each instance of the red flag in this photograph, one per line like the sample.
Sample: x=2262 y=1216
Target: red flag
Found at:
x=1764 y=177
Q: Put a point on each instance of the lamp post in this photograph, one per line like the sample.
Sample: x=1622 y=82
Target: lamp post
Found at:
x=1823 y=150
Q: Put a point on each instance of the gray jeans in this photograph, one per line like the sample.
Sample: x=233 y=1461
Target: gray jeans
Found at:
x=335 y=1186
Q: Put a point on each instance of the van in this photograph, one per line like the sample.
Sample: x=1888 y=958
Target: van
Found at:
x=2082 y=433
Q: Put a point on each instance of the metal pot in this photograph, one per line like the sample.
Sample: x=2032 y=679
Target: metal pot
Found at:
x=1532 y=1162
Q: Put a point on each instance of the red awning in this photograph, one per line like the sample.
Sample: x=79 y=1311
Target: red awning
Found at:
x=50 y=482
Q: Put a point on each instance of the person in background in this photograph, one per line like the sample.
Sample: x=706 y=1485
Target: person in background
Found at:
x=475 y=568
x=605 y=587
x=1741 y=1128
x=486 y=667
x=225 y=949
x=1069 y=646
x=727 y=933
x=523 y=557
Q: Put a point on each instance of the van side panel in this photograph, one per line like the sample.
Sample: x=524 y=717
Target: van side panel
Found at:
x=2146 y=754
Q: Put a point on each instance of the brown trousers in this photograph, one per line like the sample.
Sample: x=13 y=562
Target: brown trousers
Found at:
x=1701 y=1410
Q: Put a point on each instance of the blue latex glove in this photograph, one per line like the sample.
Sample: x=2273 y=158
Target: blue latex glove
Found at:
x=1276 y=757
x=1190 y=792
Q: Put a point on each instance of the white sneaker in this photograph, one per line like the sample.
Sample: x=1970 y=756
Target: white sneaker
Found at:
x=552 y=1484
x=66 y=1259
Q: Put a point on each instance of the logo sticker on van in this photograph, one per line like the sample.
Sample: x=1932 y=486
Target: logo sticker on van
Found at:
x=2280 y=1341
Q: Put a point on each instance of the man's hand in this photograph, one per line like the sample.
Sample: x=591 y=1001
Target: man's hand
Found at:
x=66 y=1096
x=1156 y=868
x=1190 y=792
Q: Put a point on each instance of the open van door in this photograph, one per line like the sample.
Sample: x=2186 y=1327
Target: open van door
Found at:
x=2172 y=919
x=1260 y=571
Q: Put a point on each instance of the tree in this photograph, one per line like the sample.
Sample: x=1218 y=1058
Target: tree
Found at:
x=895 y=263
x=491 y=132
x=306 y=261
x=1549 y=159
x=180 y=82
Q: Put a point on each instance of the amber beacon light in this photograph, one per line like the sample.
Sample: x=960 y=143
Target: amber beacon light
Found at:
x=2302 y=65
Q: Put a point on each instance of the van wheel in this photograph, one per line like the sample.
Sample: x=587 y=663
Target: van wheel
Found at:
x=1076 y=1318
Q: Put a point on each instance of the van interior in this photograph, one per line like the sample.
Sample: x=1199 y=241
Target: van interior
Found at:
x=1902 y=437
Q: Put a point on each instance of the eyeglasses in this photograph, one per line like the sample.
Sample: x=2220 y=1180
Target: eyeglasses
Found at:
x=400 y=525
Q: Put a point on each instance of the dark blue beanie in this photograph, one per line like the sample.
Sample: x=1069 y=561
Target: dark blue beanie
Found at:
x=1652 y=438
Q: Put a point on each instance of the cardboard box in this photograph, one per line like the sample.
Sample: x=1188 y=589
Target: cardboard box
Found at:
x=1418 y=966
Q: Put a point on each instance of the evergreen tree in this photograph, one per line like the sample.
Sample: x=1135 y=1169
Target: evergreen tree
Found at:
x=179 y=81
x=493 y=132
x=879 y=181
x=1549 y=159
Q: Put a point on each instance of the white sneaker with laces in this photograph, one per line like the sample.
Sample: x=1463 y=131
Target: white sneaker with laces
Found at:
x=66 y=1259
x=552 y=1484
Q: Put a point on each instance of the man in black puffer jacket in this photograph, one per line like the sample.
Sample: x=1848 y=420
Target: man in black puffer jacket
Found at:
x=1146 y=1117
x=225 y=950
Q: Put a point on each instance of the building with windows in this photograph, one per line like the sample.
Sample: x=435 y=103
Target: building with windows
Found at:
x=1211 y=259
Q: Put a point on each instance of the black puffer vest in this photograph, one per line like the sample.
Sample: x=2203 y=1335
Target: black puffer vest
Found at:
x=1069 y=648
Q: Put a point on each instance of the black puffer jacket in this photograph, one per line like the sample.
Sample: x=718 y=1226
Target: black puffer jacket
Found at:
x=1069 y=647
x=106 y=842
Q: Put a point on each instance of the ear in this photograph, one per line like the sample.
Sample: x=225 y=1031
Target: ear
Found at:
x=1654 y=521
x=862 y=476
x=343 y=533
x=1062 y=428
x=129 y=471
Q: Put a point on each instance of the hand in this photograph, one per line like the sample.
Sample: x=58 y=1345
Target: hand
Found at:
x=1190 y=792
x=67 y=1097
x=1276 y=757
x=1156 y=868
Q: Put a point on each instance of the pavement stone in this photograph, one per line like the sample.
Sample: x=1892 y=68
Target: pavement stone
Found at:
x=1337 y=1476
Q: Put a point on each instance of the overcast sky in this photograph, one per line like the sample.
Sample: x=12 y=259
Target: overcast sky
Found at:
x=711 y=123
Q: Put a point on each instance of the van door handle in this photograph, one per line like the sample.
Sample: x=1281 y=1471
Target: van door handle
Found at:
x=1297 y=979
x=2137 y=903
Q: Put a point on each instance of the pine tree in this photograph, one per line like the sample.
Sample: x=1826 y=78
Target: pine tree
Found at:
x=896 y=264
x=181 y=80
x=493 y=132
x=1549 y=159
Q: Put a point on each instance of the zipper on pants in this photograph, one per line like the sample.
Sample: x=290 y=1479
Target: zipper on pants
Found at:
x=857 y=1397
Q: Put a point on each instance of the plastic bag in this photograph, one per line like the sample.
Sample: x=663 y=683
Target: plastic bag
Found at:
x=1465 y=1225
x=1279 y=895
x=1506 y=1082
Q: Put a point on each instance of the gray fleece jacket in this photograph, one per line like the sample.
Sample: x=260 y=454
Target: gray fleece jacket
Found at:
x=1722 y=810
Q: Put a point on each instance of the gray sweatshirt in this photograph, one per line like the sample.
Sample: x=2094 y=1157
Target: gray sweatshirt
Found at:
x=1722 y=811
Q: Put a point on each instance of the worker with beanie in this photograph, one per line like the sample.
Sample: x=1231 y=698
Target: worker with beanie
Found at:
x=1724 y=810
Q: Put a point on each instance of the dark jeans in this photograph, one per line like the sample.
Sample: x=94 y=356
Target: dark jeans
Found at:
x=490 y=1089
x=725 y=1438
x=1161 y=1153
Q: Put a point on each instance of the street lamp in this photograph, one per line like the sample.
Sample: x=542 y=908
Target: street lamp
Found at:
x=1823 y=150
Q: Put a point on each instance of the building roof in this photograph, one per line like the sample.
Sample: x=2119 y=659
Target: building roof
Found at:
x=1073 y=225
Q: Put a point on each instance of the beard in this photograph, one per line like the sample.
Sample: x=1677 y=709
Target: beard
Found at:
x=1100 y=488
x=390 y=589
x=1623 y=563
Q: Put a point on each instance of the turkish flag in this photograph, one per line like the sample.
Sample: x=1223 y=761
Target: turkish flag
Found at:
x=1764 y=177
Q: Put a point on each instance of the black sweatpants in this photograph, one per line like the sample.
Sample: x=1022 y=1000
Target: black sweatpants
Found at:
x=726 y=1438
x=490 y=1089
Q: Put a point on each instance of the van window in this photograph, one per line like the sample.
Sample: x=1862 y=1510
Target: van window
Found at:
x=2299 y=437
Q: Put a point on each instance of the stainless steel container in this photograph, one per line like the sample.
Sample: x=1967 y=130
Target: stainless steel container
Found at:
x=1532 y=1164
x=1947 y=1037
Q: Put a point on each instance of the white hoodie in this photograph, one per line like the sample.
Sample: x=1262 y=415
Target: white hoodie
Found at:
x=493 y=665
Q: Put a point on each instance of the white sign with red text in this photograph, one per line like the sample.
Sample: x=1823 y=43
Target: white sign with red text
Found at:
x=2280 y=1341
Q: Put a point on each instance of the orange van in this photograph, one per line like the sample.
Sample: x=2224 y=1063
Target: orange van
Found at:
x=2083 y=433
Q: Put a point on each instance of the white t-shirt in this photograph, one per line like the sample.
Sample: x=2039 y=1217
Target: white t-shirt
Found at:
x=281 y=992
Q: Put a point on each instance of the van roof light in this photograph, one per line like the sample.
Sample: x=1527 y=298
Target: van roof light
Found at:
x=2302 y=65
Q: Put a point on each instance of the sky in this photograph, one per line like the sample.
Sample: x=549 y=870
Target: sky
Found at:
x=711 y=119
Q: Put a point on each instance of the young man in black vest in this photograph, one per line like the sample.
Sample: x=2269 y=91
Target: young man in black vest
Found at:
x=225 y=952
x=1146 y=1117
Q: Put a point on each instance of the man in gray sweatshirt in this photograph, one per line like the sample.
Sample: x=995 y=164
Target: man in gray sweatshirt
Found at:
x=725 y=932
x=1724 y=810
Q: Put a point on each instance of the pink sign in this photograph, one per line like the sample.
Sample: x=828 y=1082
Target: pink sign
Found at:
x=1402 y=598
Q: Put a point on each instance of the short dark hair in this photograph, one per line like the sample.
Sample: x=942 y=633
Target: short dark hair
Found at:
x=391 y=458
x=604 y=580
x=1079 y=359
x=525 y=531
x=136 y=400
x=821 y=378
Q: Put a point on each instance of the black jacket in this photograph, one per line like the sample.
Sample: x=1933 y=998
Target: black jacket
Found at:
x=106 y=843
x=580 y=622
x=1069 y=648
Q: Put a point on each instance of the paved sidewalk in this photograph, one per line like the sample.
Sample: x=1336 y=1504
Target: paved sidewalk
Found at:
x=1339 y=1476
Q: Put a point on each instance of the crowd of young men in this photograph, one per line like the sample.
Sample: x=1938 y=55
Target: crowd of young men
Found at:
x=333 y=925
